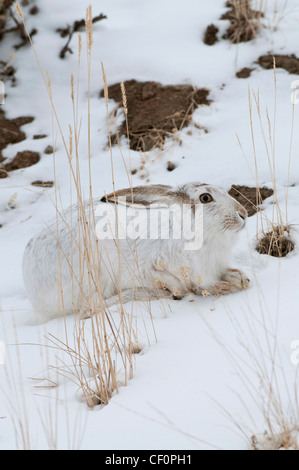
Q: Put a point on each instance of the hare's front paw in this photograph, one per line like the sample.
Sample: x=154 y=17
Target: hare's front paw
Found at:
x=236 y=278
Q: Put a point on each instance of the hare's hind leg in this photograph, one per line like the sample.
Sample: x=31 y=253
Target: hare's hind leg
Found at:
x=138 y=294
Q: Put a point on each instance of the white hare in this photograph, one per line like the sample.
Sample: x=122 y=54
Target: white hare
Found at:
x=62 y=272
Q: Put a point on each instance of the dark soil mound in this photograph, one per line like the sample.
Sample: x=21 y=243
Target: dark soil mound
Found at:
x=210 y=36
x=288 y=62
x=244 y=73
x=43 y=184
x=21 y=160
x=250 y=198
x=49 y=150
x=155 y=111
x=10 y=132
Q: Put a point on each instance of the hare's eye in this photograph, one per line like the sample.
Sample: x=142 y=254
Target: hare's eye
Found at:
x=205 y=198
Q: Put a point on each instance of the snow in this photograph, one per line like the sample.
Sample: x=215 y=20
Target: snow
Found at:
x=185 y=386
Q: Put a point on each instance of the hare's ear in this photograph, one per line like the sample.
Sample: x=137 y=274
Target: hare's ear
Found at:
x=142 y=195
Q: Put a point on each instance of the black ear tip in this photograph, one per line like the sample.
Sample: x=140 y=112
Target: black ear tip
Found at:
x=104 y=199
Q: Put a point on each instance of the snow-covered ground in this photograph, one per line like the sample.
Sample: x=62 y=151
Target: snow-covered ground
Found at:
x=195 y=387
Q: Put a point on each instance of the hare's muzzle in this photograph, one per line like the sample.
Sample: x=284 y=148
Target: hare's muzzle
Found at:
x=243 y=214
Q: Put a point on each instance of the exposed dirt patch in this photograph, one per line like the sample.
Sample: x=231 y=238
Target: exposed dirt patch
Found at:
x=250 y=198
x=43 y=184
x=10 y=130
x=155 y=111
x=244 y=73
x=276 y=243
x=290 y=63
x=22 y=160
x=210 y=37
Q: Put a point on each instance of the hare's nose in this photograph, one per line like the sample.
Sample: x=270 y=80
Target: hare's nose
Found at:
x=242 y=212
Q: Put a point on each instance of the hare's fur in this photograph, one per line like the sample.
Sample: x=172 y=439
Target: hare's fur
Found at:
x=58 y=278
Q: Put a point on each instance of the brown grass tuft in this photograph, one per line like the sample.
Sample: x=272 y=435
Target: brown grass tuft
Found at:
x=275 y=243
x=286 y=440
x=245 y=22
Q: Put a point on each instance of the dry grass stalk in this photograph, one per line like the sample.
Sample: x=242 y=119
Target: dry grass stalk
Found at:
x=277 y=13
x=89 y=30
x=124 y=97
x=19 y=11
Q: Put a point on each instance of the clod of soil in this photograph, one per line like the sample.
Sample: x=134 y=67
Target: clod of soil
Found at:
x=244 y=73
x=49 y=150
x=290 y=63
x=171 y=166
x=276 y=243
x=34 y=10
x=21 y=160
x=244 y=22
x=43 y=184
x=250 y=198
x=210 y=37
x=7 y=72
x=155 y=111
x=10 y=132
x=39 y=136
